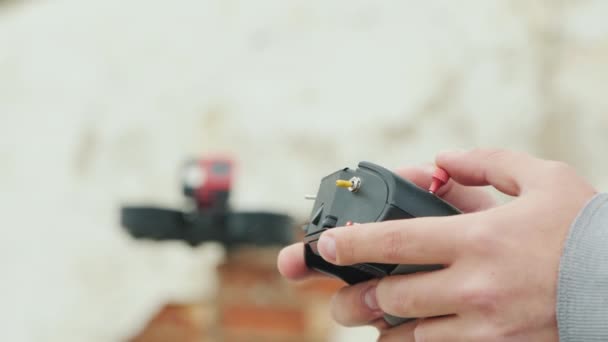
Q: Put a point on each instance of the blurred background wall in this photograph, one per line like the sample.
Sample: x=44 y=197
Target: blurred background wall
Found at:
x=101 y=100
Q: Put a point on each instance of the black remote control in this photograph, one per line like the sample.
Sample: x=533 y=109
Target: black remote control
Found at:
x=370 y=193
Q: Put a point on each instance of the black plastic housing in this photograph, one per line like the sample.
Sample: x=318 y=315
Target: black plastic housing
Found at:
x=231 y=229
x=382 y=196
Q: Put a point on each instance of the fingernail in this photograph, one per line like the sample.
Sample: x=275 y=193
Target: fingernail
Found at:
x=369 y=298
x=327 y=247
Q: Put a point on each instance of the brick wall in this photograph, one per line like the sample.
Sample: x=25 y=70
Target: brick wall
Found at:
x=253 y=303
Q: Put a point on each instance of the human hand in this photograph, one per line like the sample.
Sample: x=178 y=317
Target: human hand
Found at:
x=468 y=199
x=499 y=283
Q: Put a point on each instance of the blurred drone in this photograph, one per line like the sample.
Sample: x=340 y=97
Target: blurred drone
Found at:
x=207 y=183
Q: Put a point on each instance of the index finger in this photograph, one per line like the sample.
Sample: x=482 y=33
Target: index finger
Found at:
x=424 y=240
x=466 y=198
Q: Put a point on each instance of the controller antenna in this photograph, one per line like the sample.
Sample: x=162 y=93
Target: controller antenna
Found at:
x=440 y=177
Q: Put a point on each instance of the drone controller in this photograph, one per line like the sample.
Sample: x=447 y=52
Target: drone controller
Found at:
x=368 y=194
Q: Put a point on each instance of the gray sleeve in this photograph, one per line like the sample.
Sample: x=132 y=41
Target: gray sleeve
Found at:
x=582 y=293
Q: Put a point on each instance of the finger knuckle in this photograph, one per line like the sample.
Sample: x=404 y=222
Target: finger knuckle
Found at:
x=557 y=170
x=503 y=156
x=558 y=166
x=499 y=155
x=483 y=241
x=496 y=154
x=392 y=244
x=345 y=249
x=404 y=304
x=490 y=331
x=481 y=297
x=550 y=173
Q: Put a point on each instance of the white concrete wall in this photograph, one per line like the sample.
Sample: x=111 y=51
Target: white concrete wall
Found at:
x=101 y=100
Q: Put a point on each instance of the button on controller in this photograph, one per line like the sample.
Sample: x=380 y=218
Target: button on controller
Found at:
x=329 y=221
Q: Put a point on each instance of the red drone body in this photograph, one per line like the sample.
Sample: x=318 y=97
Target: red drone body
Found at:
x=209 y=181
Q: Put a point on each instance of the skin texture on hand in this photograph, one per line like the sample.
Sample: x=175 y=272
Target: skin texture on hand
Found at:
x=500 y=279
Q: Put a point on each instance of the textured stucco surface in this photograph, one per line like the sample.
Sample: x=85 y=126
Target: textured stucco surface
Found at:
x=101 y=100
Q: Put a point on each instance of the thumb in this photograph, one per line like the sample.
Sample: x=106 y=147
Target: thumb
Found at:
x=508 y=171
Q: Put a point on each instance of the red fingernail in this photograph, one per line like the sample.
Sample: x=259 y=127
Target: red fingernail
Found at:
x=440 y=177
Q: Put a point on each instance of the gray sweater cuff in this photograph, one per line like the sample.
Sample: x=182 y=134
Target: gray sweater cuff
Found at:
x=582 y=292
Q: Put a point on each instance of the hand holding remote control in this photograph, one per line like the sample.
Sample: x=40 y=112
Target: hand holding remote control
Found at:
x=500 y=264
x=368 y=194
